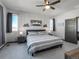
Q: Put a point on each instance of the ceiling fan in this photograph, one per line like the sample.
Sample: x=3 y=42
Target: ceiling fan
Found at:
x=48 y=5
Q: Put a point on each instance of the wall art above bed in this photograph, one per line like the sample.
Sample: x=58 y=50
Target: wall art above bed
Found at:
x=36 y=22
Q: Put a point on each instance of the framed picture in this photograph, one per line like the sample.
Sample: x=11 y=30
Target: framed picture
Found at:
x=36 y=22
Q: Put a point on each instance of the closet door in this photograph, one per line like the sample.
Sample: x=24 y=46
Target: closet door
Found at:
x=1 y=26
x=71 y=30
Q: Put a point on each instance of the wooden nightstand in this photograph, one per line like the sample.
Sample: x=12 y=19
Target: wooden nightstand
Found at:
x=21 y=39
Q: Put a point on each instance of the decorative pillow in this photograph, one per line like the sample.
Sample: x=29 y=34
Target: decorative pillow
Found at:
x=32 y=33
x=42 y=33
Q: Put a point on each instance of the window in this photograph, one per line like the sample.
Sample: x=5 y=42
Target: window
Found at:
x=14 y=22
x=51 y=25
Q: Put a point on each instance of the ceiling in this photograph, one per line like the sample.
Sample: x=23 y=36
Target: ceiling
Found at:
x=29 y=6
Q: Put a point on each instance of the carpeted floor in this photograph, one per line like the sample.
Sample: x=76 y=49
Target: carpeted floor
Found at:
x=19 y=51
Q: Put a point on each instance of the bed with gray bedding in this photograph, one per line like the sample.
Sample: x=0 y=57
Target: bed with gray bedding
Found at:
x=41 y=41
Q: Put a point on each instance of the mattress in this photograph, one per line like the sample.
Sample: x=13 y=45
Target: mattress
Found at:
x=39 y=42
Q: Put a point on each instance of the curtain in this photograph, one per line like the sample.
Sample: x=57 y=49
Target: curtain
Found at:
x=9 y=23
x=54 y=24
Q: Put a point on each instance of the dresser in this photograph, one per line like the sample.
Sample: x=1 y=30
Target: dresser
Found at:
x=73 y=54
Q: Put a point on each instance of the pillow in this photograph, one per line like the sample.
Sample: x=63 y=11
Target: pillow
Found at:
x=32 y=33
x=42 y=33
x=38 y=33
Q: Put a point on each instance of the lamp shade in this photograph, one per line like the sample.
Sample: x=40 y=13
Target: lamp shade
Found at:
x=21 y=33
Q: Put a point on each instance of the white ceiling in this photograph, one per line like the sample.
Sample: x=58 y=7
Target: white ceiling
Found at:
x=29 y=6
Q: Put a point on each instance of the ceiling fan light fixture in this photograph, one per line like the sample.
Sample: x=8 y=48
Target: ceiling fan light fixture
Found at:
x=47 y=7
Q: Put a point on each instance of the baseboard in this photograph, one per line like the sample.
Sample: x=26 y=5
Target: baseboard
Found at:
x=3 y=45
x=7 y=43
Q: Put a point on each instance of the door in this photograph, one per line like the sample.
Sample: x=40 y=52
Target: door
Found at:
x=71 y=30
x=1 y=26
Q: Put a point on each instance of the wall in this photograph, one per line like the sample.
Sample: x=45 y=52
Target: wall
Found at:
x=12 y=36
x=60 y=21
x=25 y=18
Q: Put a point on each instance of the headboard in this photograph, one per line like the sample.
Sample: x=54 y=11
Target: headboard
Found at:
x=34 y=30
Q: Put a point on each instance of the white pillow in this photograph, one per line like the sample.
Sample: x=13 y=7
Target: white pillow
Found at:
x=42 y=33
x=32 y=33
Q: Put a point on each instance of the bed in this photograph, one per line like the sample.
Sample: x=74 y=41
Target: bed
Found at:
x=40 y=40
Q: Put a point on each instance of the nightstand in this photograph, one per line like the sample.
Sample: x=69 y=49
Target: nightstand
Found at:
x=21 y=39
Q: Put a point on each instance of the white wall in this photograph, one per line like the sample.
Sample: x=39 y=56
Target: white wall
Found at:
x=25 y=18
x=60 y=21
x=12 y=36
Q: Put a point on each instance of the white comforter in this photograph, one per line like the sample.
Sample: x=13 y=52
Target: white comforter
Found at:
x=39 y=42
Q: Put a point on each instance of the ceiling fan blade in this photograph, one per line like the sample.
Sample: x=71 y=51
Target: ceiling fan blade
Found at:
x=40 y=5
x=53 y=3
x=52 y=8
x=46 y=2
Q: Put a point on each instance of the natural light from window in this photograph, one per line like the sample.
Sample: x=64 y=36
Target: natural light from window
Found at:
x=51 y=25
x=14 y=22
